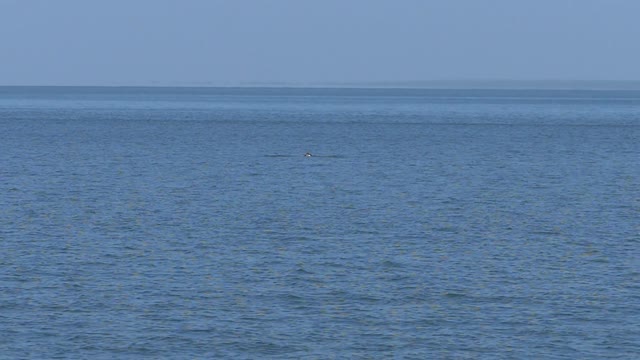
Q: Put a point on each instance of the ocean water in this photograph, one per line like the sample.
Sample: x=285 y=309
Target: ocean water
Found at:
x=186 y=223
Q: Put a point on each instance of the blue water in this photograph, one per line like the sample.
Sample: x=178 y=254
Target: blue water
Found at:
x=186 y=223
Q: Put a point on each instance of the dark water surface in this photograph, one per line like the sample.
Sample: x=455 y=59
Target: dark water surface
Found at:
x=186 y=223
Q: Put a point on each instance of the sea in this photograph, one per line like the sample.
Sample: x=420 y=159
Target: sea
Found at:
x=187 y=223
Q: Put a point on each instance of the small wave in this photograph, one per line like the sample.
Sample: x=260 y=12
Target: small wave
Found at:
x=546 y=232
x=448 y=294
x=391 y=264
x=451 y=229
x=330 y=156
x=313 y=156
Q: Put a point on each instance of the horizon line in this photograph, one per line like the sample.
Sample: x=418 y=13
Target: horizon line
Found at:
x=445 y=84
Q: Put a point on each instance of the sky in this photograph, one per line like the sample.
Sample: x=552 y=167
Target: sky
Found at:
x=226 y=42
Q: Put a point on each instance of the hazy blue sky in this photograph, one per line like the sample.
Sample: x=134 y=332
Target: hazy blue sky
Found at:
x=233 y=41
